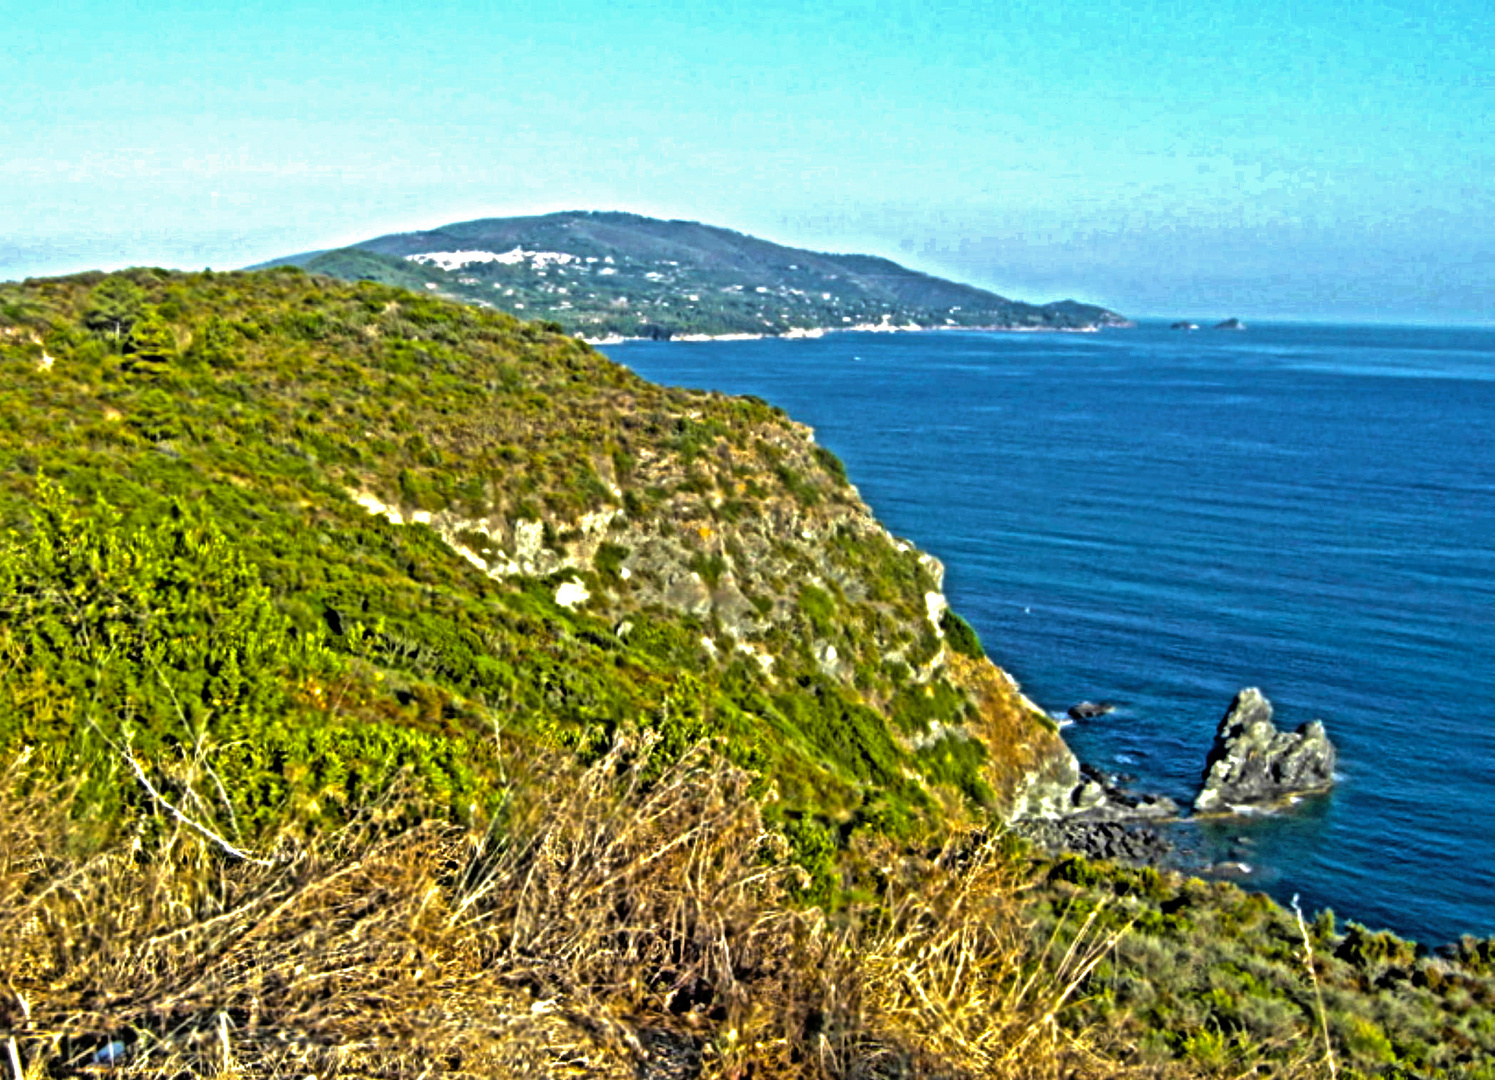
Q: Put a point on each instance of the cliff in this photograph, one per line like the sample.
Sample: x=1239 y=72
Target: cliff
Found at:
x=471 y=524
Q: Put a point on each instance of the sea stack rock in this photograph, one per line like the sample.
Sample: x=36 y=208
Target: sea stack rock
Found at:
x=1230 y=324
x=1253 y=763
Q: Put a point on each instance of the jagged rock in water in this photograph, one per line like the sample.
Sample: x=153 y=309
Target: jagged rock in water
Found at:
x=1230 y=324
x=1253 y=763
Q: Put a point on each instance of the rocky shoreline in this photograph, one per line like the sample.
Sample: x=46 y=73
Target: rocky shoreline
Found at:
x=1116 y=841
x=1251 y=767
x=799 y=333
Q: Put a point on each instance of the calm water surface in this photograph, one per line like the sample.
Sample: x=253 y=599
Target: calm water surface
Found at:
x=1161 y=518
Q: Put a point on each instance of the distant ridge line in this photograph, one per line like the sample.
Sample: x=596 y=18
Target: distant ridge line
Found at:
x=607 y=274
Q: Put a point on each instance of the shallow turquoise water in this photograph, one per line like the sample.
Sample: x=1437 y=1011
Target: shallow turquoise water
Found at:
x=1162 y=518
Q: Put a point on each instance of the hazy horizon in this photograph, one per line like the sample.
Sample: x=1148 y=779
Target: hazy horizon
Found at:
x=1262 y=160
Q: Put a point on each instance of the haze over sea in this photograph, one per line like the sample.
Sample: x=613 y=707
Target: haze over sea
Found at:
x=1161 y=518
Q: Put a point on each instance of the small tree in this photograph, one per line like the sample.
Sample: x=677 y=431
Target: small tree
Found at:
x=961 y=636
x=217 y=344
x=114 y=306
x=151 y=345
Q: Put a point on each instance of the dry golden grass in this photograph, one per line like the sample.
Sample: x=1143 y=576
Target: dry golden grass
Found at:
x=603 y=926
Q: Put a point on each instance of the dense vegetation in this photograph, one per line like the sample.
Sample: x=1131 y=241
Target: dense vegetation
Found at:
x=189 y=566
x=601 y=274
x=385 y=681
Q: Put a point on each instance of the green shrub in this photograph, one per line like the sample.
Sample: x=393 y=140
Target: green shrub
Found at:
x=960 y=636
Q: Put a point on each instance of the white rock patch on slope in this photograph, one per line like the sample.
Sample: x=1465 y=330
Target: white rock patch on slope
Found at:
x=374 y=505
x=935 y=604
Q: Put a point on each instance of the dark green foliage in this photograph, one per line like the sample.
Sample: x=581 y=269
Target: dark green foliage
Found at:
x=1366 y=948
x=609 y=561
x=150 y=346
x=813 y=849
x=1205 y=970
x=832 y=464
x=694 y=437
x=960 y=636
x=796 y=485
x=842 y=732
x=113 y=307
x=955 y=760
x=216 y=344
x=1476 y=954
x=921 y=708
x=140 y=639
x=819 y=610
x=710 y=567
x=293 y=392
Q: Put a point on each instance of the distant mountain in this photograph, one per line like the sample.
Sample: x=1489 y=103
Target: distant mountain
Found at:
x=616 y=274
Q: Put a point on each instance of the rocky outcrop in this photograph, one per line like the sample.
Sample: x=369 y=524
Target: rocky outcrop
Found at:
x=1139 y=845
x=1033 y=774
x=722 y=541
x=777 y=561
x=1254 y=764
x=1102 y=797
x=1230 y=324
x=1184 y=326
x=1089 y=710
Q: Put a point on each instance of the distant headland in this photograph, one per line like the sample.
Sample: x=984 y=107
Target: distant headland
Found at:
x=613 y=276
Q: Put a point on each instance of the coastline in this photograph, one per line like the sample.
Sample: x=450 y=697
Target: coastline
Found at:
x=802 y=333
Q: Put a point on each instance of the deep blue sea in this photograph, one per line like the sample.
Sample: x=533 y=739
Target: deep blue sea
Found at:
x=1161 y=518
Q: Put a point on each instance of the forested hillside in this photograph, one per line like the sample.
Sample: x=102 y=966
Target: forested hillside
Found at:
x=615 y=274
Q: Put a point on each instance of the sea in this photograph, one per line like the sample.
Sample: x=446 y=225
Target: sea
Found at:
x=1159 y=518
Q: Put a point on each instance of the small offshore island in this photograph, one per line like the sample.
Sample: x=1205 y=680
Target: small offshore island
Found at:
x=403 y=682
x=610 y=277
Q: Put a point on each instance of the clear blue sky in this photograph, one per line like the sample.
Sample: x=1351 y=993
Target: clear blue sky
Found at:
x=1260 y=159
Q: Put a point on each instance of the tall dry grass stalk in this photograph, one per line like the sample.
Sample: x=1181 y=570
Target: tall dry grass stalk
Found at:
x=1318 y=993
x=602 y=925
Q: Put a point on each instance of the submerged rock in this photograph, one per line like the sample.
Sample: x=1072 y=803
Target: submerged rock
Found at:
x=1254 y=764
x=1089 y=710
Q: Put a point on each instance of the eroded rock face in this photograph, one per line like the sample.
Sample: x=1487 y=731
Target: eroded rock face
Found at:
x=1101 y=797
x=1033 y=773
x=1254 y=764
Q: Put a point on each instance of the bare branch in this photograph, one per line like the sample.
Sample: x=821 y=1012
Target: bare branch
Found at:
x=202 y=830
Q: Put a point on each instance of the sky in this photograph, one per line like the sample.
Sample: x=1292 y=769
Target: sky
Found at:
x=1262 y=159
